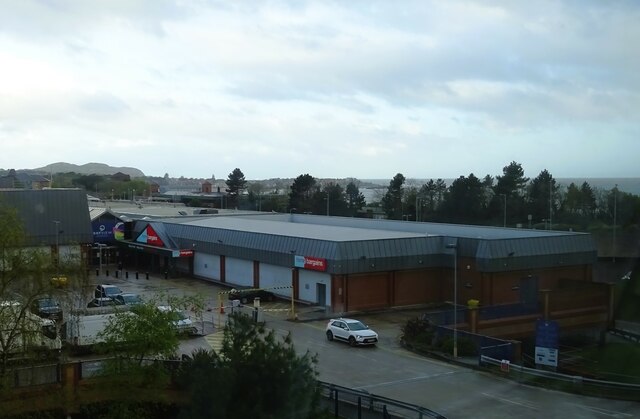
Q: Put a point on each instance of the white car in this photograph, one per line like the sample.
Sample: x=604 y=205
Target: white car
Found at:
x=352 y=331
x=182 y=322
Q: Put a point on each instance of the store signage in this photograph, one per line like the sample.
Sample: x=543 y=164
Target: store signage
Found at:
x=308 y=262
x=547 y=332
x=150 y=237
x=182 y=253
x=103 y=232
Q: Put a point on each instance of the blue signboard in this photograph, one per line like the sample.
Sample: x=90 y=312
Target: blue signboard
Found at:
x=547 y=342
x=547 y=333
x=103 y=231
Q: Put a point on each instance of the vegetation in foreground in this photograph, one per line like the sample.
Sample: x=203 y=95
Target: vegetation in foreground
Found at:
x=255 y=375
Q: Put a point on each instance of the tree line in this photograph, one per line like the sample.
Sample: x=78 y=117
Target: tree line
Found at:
x=510 y=199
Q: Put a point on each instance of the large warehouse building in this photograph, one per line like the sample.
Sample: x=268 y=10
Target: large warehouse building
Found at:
x=348 y=264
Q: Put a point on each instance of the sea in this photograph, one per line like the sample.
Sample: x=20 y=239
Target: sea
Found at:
x=376 y=188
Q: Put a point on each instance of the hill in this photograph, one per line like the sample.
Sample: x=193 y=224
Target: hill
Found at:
x=90 y=169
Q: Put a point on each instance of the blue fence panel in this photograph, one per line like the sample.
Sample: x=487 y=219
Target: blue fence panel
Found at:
x=506 y=310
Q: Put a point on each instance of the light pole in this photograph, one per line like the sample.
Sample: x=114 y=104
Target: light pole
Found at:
x=455 y=297
x=327 y=203
x=504 y=220
x=100 y=246
x=57 y=223
x=615 y=219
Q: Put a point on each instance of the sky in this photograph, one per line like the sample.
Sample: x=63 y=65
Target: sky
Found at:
x=334 y=89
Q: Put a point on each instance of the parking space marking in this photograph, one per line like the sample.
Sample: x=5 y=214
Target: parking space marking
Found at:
x=215 y=340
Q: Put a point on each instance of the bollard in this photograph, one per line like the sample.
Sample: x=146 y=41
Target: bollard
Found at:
x=147 y=273
x=116 y=274
x=97 y=272
x=166 y=275
x=106 y=272
x=126 y=274
x=136 y=275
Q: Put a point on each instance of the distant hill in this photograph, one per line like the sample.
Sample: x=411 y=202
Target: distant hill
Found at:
x=90 y=169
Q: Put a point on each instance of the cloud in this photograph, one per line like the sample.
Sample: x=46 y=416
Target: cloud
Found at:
x=335 y=88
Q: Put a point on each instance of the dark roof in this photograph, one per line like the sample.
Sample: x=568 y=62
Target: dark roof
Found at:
x=45 y=211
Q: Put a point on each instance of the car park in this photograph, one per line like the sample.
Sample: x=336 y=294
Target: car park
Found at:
x=47 y=308
x=182 y=322
x=101 y=302
x=106 y=290
x=127 y=299
x=352 y=331
x=247 y=295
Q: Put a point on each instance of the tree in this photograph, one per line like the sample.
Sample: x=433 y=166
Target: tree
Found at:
x=301 y=194
x=281 y=383
x=145 y=331
x=464 y=201
x=392 y=200
x=511 y=188
x=25 y=275
x=542 y=197
x=355 y=199
x=329 y=200
x=256 y=190
x=236 y=183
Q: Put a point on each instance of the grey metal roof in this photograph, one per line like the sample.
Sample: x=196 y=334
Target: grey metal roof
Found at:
x=359 y=245
x=39 y=210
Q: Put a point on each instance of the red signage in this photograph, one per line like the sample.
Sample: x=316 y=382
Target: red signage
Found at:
x=186 y=253
x=315 y=264
x=150 y=237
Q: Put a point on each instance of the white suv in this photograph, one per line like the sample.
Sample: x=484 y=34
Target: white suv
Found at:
x=352 y=331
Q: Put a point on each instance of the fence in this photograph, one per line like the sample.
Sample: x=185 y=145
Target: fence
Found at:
x=563 y=382
x=342 y=401
x=482 y=345
x=349 y=403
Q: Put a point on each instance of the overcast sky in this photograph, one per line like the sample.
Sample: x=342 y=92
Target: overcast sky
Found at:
x=364 y=89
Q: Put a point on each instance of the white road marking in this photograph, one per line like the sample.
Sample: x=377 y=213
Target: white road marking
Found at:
x=406 y=380
x=601 y=411
x=502 y=399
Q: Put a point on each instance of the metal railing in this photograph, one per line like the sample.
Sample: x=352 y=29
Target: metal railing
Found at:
x=564 y=382
x=343 y=402
x=349 y=403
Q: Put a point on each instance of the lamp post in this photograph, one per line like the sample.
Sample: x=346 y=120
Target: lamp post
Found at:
x=327 y=203
x=454 y=246
x=615 y=219
x=57 y=223
x=100 y=246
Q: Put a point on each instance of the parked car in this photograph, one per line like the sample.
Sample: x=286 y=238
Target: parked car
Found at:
x=182 y=322
x=127 y=299
x=101 y=302
x=47 y=308
x=106 y=290
x=352 y=331
x=247 y=295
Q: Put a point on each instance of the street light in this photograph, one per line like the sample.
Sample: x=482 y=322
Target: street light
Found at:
x=57 y=223
x=615 y=220
x=100 y=246
x=327 y=203
x=455 y=297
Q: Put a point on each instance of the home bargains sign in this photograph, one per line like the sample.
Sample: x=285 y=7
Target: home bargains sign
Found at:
x=308 y=262
x=150 y=237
